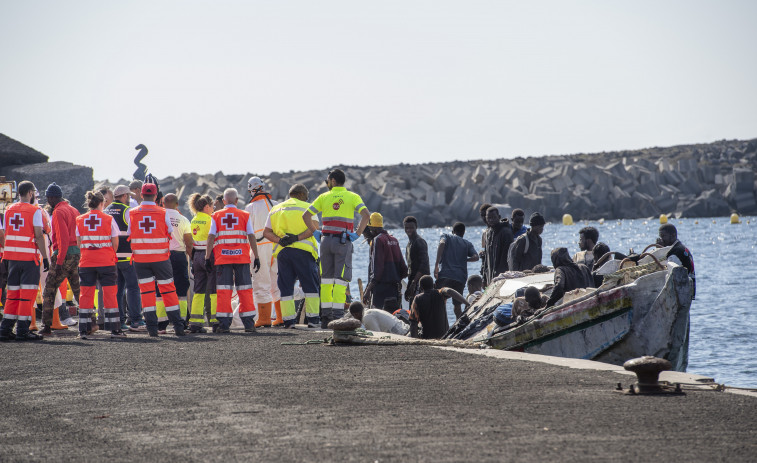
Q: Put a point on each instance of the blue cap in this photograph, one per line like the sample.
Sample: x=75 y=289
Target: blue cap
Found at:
x=53 y=191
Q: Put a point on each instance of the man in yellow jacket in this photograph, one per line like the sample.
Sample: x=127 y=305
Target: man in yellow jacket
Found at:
x=296 y=251
x=338 y=207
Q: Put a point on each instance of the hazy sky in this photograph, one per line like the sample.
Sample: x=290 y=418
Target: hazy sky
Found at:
x=256 y=86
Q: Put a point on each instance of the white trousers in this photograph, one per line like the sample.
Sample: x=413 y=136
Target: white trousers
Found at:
x=264 y=282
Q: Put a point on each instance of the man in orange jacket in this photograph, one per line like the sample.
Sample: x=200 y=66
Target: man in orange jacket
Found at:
x=149 y=234
x=230 y=240
x=23 y=238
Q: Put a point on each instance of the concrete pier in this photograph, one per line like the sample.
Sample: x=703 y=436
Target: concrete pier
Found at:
x=248 y=397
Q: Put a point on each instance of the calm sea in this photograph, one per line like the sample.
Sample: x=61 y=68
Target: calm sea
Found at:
x=723 y=316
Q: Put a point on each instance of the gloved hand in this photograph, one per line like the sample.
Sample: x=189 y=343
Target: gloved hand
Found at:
x=208 y=265
x=353 y=236
x=256 y=264
x=46 y=264
x=288 y=239
x=317 y=235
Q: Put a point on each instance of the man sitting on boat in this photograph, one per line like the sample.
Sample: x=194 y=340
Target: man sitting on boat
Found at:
x=568 y=275
x=530 y=303
x=679 y=253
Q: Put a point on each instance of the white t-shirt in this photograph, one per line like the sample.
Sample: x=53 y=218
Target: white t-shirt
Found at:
x=180 y=227
x=133 y=202
x=381 y=320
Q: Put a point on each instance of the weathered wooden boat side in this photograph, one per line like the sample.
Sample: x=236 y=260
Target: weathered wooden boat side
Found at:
x=648 y=316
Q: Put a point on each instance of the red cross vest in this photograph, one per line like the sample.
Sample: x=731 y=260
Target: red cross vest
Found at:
x=94 y=229
x=231 y=245
x=149 y=234
x=19 y=232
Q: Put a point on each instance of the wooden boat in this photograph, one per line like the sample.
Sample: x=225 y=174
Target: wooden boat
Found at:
x=639 y=310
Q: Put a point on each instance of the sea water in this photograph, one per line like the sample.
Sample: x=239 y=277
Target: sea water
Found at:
x=724 y=314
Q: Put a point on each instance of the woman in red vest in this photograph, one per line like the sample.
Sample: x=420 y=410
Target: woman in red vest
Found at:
x=97 y=237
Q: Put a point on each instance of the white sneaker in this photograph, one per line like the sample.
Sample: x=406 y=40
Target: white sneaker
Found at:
x=70 y=322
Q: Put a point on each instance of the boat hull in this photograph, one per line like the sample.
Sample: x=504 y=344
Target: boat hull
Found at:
x=649 y=316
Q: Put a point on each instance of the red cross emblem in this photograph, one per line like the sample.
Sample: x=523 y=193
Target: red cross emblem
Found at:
x=93 y=222
x=229 y=220
x=16 y=222
x=147 y=225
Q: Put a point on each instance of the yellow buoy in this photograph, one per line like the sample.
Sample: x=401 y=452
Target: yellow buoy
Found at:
x=735 y=218
x=663 y=218
x=567 y=219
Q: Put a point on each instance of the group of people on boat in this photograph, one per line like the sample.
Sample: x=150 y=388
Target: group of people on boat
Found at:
x=127 y=262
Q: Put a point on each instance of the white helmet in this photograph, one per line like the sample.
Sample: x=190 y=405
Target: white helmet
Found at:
x=254 y=184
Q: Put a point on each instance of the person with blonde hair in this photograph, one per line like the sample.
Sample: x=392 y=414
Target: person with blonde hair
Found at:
x=97 y=236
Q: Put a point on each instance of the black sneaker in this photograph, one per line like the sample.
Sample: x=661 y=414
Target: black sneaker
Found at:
x=29 y=336
x=117 y=334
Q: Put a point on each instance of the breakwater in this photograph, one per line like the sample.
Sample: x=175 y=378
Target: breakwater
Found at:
x=702 y=180
x=699 y=180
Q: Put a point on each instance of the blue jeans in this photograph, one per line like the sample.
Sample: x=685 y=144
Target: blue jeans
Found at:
x=127 y=280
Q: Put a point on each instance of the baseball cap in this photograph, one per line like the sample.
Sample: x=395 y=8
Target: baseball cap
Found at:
x=149 y=189
x=121 y=190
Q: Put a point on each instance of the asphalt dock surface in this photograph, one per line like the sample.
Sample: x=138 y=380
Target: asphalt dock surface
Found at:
x=247 y=397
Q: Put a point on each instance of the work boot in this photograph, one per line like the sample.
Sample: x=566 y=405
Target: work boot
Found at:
x=57 y=325
x=46 y=330
x=249 y=324
x=325 y=322
x=178 y=329
x=194 y=329
x=162 y=325
x=5 y=337
x=279 y=318
x=215 y=327
x=28 y=336
x=264 y=315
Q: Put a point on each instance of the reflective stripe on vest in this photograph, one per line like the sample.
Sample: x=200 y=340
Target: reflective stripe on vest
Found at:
x=118 y=212
x=338 y=208
x=19 y=228
x=287 y=218
x=94 y=230
x=200 y=226
x=231 y=245
x=149 y=233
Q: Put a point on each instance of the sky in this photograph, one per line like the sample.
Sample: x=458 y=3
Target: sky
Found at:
x=261 y=86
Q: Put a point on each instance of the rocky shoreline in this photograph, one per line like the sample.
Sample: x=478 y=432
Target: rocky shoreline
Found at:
x=700 y=180
x=703 y=180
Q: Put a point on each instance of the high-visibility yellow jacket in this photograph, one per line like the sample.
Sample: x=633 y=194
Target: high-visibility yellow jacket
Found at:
x=286 y=218
x=337 y=208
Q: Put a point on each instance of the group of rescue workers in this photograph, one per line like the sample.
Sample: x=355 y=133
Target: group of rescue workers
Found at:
x=132 y=249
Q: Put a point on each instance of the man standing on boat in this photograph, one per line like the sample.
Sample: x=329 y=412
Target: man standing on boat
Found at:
x=587 y=238
x=669 y=237
x=525 y=252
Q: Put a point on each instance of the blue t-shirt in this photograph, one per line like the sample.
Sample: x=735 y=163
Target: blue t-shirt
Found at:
x=523 y=229
x=454 y=261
